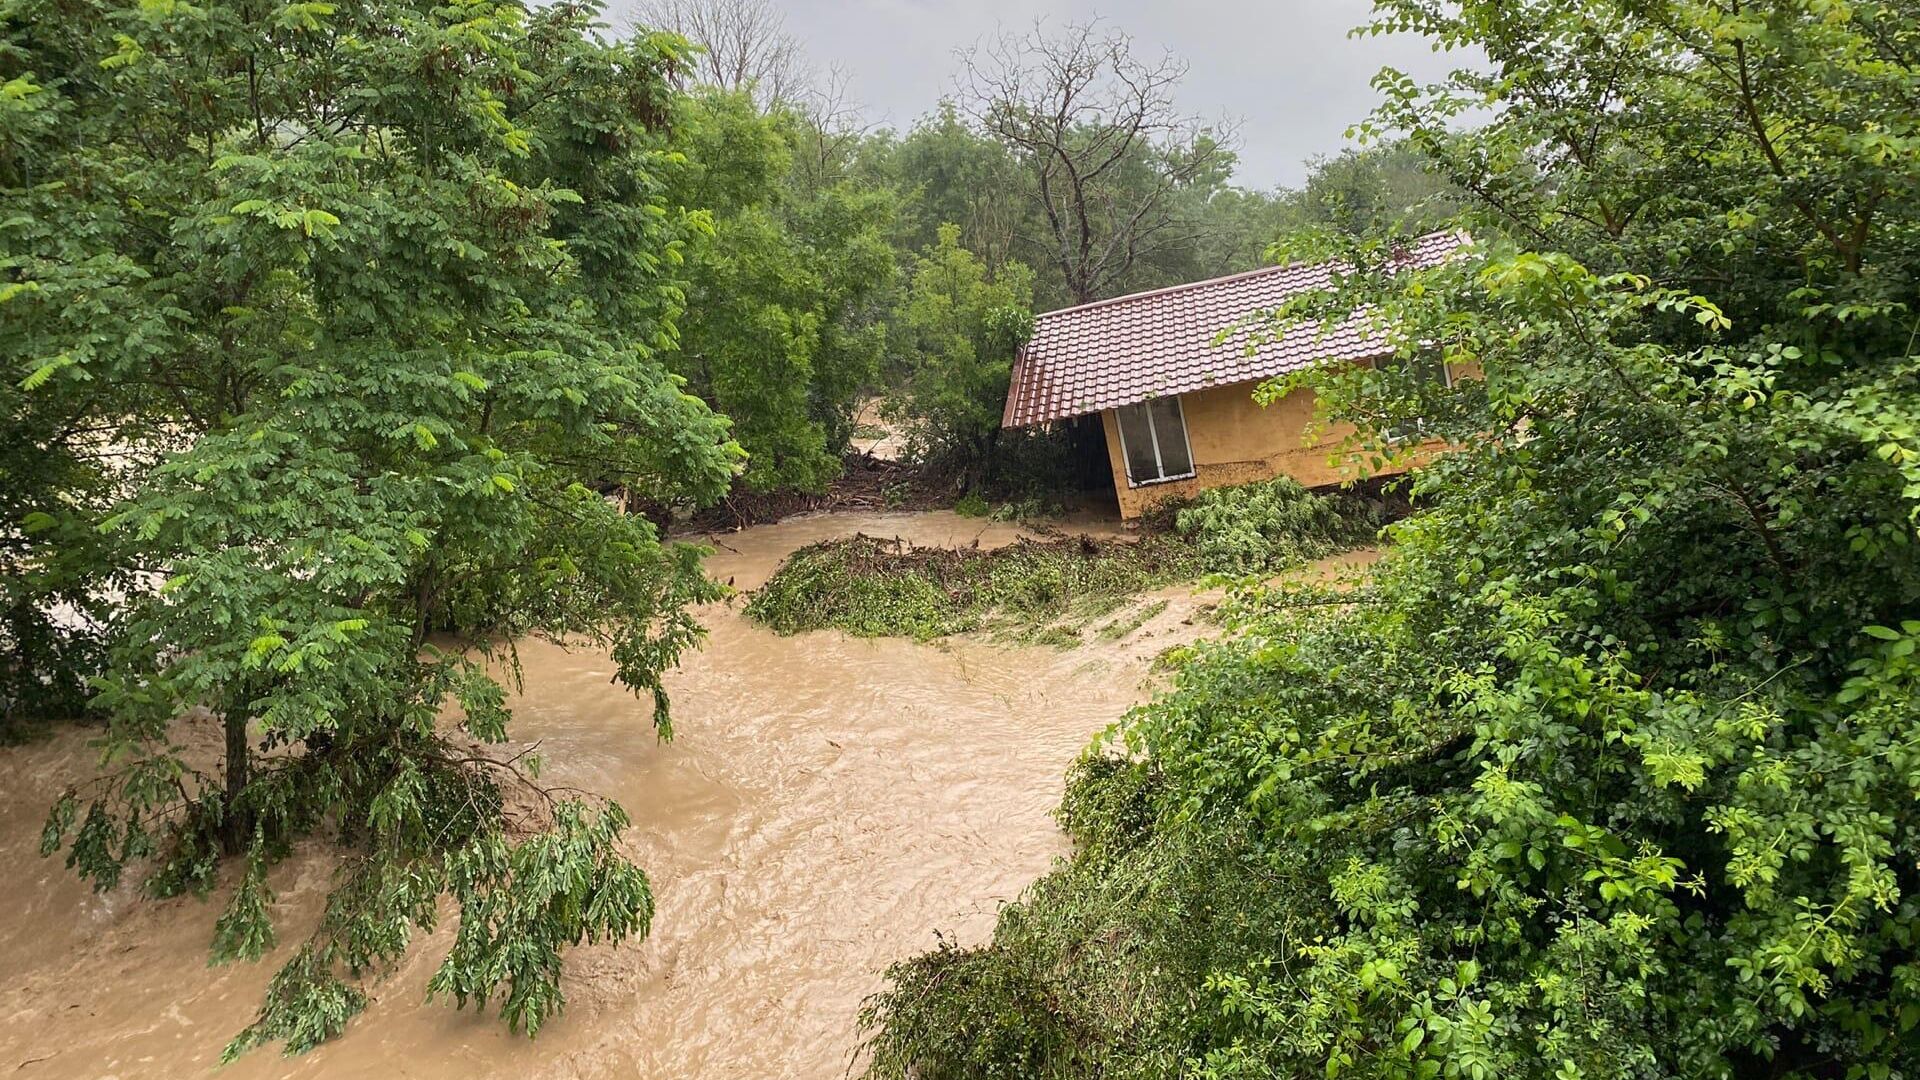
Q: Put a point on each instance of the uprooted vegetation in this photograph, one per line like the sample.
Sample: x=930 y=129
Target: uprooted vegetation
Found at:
x=1267 y=527
x=1040 y=589
x=1054 y=590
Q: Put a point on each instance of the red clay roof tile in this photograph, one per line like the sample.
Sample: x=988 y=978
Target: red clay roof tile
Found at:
x=1153 y=344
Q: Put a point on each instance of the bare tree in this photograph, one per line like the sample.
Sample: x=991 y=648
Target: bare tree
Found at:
x=745 y=43
x=1107 y=149
x=834 y=125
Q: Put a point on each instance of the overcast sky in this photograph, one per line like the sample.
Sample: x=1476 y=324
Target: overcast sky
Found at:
x=1286 y=68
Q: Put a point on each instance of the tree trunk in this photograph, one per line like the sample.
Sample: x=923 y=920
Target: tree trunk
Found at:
x=236 y=827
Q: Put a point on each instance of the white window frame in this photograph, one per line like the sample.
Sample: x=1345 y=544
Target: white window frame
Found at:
x=1153 y=432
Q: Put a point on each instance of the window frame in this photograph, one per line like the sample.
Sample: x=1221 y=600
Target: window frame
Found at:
x=1414 y=431
x=1153 y=432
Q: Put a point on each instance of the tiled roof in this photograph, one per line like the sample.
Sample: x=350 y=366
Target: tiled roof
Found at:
x=1134 y=348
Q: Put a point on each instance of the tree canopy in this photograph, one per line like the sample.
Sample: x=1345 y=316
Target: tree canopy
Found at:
x=783 y=331
x=337 y=325
x=961 y=328
x=1104 y=148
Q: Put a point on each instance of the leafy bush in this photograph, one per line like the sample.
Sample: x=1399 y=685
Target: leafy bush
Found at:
x=971 y=505
x=1264 y=527
x=1613 y=772
x=1427 y=833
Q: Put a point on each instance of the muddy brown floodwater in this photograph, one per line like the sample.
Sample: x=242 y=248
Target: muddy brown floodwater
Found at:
x=826 y=806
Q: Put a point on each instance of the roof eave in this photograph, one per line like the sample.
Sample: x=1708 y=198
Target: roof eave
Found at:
x=1013 y=389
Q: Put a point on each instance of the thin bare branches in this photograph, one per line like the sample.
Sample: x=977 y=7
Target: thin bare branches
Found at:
x=1098 y=129
x=745 y=46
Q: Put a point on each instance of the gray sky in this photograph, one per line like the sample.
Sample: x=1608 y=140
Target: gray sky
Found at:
x=1286 y=68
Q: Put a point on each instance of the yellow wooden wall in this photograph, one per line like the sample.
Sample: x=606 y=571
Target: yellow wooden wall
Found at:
x=1235 y=442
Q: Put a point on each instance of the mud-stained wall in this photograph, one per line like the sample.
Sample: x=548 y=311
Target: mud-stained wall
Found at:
x=1236 y=441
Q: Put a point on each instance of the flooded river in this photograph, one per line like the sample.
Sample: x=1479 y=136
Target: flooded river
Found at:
x=827 y=805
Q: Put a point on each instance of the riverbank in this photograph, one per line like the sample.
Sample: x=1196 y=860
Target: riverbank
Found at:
x=827 y=806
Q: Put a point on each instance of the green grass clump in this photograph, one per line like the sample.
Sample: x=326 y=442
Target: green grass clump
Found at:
x=1121 y=627
x=1052 y=591
x=872 y=587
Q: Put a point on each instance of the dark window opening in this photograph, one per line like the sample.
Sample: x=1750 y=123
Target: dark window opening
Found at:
x=1153 y=436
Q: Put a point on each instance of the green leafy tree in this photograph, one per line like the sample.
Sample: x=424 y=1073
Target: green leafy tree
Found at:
x=966 y=166
x=378 y=289
x=783 y=329
x=1384 y=187
x=961 y=329
x=1612 y=772
x=947 y=172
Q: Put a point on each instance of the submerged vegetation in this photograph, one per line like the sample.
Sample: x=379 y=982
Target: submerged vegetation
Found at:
x=1272 y=525
x=883 y=588
x=1050 y=590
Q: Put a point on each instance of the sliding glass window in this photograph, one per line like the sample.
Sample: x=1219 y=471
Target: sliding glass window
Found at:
x=1153 y=436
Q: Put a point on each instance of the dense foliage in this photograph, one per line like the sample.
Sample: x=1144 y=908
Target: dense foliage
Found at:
x=783 y=330
x=331 y=326
x=947 y=171
x=1270 y=525
x=960 y=328
x=1613 y=771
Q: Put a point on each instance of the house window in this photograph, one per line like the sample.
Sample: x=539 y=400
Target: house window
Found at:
x=1153 y=436
x=1429 y=370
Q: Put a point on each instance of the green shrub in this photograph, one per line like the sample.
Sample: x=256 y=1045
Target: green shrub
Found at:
x=976 y=1013
x=971 y=505
x=1269 y=526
